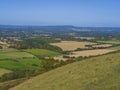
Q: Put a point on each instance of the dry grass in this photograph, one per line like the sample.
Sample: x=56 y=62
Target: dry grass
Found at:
x=3 y=71
x=90 y=52
x=71 y=45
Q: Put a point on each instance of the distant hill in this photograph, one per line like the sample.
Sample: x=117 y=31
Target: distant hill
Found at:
x=58 y=28
x=97 y=73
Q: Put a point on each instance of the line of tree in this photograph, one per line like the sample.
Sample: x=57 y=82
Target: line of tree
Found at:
x=40 y=43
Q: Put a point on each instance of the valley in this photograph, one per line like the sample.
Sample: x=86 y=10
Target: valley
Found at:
x=36 y=54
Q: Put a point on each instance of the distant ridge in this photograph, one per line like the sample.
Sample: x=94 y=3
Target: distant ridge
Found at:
x=60 y=27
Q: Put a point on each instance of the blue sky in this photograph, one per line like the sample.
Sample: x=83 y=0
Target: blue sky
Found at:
x=60 y=12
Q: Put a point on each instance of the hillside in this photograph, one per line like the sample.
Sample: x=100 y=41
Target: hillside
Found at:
x=97 y=73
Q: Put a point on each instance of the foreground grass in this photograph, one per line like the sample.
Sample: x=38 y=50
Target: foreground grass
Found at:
x=97 y=73
x=6 y=85
x=4 y=71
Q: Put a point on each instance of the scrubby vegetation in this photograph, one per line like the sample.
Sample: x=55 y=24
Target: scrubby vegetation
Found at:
x=35 y=43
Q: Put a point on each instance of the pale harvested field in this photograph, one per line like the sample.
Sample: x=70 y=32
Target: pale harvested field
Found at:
x=3 y=71
x=90 y=52
x=71 y=45
x=102 y=45
x=60 y=58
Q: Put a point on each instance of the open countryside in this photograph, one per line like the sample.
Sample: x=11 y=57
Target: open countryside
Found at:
x=59 y=44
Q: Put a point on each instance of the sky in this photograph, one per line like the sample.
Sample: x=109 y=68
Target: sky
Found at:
x=90 y=13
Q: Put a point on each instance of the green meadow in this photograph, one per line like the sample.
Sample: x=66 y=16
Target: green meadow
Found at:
x=13 y=59
x=20 y=64
x=13 y=53
x=42 y=52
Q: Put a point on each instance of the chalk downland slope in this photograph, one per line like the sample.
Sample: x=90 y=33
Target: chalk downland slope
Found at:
x=97 y=73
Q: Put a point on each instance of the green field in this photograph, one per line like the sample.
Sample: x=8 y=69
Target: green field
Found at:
x=42 y=52
x=97 y=73
x=30 y=61
x=16 y=65
x=13 y=59
x=13 y=53
x=3 y=71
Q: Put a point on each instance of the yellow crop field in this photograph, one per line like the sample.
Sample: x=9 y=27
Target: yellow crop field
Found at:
x=71 y=45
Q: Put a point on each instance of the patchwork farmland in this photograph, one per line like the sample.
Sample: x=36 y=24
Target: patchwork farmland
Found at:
x=59 y=60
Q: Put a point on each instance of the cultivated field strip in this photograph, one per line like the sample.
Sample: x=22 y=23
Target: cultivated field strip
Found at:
x=71 y=45
x=90 y=52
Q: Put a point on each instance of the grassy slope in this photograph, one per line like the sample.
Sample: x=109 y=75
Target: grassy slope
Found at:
x=3 y=71
x=98 y=73
x=42 y=52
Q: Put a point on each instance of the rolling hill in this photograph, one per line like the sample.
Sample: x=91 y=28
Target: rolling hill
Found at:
x=96 y=73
